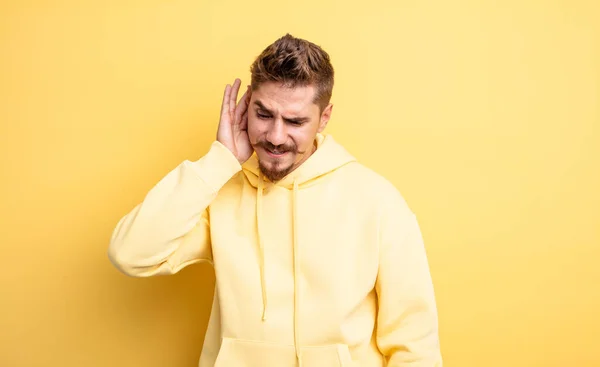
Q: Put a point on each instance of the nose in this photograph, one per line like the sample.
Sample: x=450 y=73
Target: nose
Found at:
x=276 y=134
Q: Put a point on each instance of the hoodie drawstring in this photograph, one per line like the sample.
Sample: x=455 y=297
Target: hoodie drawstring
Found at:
x=263 y=284
x=259 y=196
x=296 y=256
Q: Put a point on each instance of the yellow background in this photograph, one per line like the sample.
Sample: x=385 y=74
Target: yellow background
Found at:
x=485 y=114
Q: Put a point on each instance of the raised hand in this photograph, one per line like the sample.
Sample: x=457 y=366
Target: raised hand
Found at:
x=233 y=125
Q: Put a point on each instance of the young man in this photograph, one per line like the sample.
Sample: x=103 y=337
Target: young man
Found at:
x=318 y=260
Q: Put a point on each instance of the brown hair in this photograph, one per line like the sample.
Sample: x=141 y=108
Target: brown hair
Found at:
x=295 y=62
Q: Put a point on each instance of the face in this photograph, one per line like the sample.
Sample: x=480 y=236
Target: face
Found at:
x=282 y=127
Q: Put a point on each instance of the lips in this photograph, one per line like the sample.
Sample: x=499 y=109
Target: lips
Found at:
x=275 y=153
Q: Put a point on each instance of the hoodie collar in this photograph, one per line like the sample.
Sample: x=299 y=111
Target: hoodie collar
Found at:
x=328 y=156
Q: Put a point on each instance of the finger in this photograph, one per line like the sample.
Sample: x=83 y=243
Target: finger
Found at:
x=244 y=121
x=241 y=108
x=248 y=95
x=225 y=103
x=233 y=95
x=246 y=100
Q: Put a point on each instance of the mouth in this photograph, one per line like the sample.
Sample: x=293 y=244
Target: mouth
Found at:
x=275 y=153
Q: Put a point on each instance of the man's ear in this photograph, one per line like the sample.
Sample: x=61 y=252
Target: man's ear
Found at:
x=325 y=116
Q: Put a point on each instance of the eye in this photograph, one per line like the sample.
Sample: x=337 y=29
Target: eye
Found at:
x=296 y=123
x=262 y=116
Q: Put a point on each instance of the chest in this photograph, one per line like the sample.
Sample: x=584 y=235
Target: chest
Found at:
x=328 y=237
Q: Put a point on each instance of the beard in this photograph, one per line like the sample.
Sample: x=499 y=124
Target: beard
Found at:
x=277 y=170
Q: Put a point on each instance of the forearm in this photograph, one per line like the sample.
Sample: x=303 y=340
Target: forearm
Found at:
x=154 y=238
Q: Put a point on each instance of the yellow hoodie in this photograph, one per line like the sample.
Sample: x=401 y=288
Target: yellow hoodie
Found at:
x=326 y=267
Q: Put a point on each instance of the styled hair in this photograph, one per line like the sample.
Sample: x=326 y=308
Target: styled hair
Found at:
x=295 y=62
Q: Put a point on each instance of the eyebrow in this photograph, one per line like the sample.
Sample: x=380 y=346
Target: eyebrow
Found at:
x=291 y=119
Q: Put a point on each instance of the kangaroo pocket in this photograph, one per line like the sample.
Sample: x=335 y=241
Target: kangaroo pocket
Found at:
x=243 y=353
x=334 y=355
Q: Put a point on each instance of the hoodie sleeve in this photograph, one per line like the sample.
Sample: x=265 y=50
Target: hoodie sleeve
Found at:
x=169 y=229
x=407 y=321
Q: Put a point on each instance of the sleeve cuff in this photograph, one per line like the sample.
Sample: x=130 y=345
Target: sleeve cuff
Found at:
x=217 y=166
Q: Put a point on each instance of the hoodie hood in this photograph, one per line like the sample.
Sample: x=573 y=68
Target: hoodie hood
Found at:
x=328 y=157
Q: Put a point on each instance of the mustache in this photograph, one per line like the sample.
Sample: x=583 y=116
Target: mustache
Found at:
x=277 y=149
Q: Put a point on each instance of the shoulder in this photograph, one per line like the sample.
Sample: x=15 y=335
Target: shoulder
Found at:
x=373 y=185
